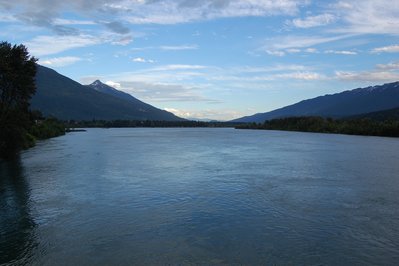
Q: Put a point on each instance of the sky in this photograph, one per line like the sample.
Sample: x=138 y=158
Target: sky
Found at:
x=219 y=59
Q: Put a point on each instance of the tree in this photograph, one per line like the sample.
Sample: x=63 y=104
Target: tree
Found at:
x=17 y=85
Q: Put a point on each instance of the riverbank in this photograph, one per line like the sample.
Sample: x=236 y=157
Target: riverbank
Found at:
x=39 y=130
x=363 y=127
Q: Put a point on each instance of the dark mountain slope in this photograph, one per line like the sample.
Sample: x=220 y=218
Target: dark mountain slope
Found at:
x=64 y=98
x=391 y=114
x=347 y=103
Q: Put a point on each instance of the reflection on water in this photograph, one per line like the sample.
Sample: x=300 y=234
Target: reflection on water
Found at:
x=16 y=224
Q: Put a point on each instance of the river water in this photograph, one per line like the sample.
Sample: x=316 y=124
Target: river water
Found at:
x=202 y=196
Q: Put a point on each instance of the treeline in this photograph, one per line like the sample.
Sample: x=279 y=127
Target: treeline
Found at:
x=364 y=126
x=20 y=127
x=147 y=123
x=35 y=128
x=47 y=128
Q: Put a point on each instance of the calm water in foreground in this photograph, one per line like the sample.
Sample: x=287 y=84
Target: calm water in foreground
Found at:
x=201 y=196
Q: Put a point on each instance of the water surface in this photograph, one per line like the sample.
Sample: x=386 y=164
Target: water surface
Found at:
x=201 y=196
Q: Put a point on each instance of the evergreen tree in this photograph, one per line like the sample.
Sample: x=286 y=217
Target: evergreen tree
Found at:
x=17 y=85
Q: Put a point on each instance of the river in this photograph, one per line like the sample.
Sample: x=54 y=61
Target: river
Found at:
x=202 y=196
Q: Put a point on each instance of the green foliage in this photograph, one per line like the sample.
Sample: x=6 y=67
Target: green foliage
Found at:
x=17 y=85
x=49 y=128
x=361 y=126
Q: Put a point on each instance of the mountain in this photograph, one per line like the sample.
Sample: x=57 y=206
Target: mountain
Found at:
x=61 y=97
x=347 y=103
x=104 y=88
x=390 y=114
x=146 y=109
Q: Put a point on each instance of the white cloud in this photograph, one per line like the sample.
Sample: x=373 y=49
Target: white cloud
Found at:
x=159 y=92
x=120 y=40
x=167 y=47
x=275 y=52
x=178 y=67
x=372 y=76
x=272 y=68
x=113 y=84
x=341 y=52
x=151 y=12
x=295 y=42
x=389 y=66
x=300 y=76
x=381 y=73
x=61 y=21
x=180 y=113
x=387 y=49
x=139 y=60
x=206 y=114
x=59 y=61
x=179 y=47
x=314 y=21
x=311 y=50
x=368 y=16
x=293 y=50
x=180 y=11
x=47 y=45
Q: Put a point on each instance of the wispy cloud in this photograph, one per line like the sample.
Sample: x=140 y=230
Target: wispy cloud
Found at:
x=313 y=21
x=275 y=52
x=142 y=60
x=178 y=67
x=211 y=114
x=342 y=52
x=7 y=18
x=47 y=45
x=61 y=21
x=389 y=66
x=113 y=84
x=42 y=12
x=180 y=11
x=300 y=76
x=59 y=61
x=280 y=45
x=168 y=47
x=372 y=76
x=158 y=92
x=386 y=49
x=116 y=27
x=381 y=73
x=178 y=47
x=368 y=16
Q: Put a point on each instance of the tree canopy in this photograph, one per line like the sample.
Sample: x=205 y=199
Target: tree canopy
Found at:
x=17 y=85
x=359 y=126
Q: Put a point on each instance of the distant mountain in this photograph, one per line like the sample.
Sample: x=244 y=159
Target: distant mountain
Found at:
x=146 y=109
x=104 y=88
x=347 y=103
x=66 y=99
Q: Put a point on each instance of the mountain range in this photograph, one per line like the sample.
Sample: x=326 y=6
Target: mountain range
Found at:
x=66 y=99
x=348 y=103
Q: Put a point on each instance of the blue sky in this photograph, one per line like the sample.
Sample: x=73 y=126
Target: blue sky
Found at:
x=218 y=59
